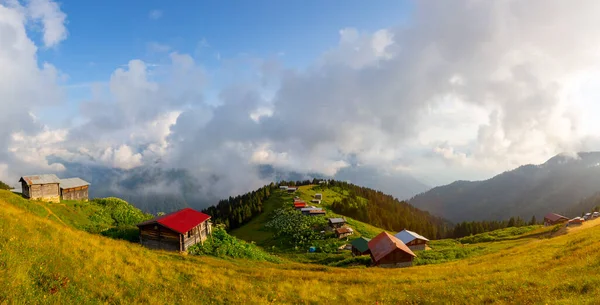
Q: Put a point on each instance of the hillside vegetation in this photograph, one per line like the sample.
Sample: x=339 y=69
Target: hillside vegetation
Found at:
x=44 y=261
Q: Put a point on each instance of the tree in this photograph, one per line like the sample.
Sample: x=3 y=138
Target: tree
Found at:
x=4 y=186
x=533 y=221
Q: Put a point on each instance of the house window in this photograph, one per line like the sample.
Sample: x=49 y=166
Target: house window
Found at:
x=189 y=234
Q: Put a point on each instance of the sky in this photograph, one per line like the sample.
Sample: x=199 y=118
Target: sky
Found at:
x=369 y=91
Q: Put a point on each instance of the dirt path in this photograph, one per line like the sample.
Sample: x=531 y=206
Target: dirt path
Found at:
x=50 y=212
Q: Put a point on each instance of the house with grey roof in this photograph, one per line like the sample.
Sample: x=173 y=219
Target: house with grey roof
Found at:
x=41 y=187
x=413 y=240
x=337 y=222
x=74 y=189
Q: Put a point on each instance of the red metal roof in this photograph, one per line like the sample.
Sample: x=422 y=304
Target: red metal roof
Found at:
x=384 y=243
x=299 y=204
x=180 y=221
x=555 y=217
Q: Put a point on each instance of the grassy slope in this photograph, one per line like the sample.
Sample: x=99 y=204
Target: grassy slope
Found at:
x=39 y=256
x=253 y=230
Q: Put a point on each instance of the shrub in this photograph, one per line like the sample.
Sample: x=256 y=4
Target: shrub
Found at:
x=121 y=212
x=223 y=245
x=300 y=229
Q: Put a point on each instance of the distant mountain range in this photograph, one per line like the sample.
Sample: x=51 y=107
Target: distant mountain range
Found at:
x=559 y=185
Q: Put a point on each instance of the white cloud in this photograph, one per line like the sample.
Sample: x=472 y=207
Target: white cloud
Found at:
x=52 y=18
x=156 y=47
x=155 y=14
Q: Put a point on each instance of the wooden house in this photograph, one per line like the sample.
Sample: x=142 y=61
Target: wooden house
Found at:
x=41 y=187
x=316 y=213
x=319 y=196
x=576 y=221
x=283 y=187
x=552 y=219
x=317 y=201
x=74 y=189
x=389 y=251
x=291 y=190
x=175 y=231
x=337 y=222
x=343 y=232
x=299 y=205
x=413 y=240
x=360 y=246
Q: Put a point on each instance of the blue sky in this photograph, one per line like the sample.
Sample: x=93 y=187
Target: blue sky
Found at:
x=106 y=35
x=109 y=33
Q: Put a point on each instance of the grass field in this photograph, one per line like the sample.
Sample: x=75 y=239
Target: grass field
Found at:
x=44 y=261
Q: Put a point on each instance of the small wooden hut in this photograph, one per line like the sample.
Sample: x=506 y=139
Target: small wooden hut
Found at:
x=343 y=232
x=389 y=251
x=413 y=240
x=360 y=246
x=337 y=222
x=41 y=187
x=74 y=189
x=552 y=219
x=176 y=231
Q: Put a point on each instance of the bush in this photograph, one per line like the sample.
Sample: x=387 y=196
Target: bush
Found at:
x=121 y=212
x=223 y=245
x=300 y=229
x=364 y=260
x=129 y=233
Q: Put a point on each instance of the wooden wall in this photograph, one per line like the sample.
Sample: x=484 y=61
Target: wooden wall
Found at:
x=46 y=192
x=417 y=244
x=155 y=236
x=396 y=258
x=25 y=189
x=76 y=193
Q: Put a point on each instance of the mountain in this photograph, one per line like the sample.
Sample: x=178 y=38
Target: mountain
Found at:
x=529 y=190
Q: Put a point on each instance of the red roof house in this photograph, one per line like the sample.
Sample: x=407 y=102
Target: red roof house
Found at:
x=552 y=219
x=389 y=251
x=299 y=205
x=176 y=231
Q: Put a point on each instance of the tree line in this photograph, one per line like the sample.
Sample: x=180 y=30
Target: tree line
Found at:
x=4 y=186
x=237 y=211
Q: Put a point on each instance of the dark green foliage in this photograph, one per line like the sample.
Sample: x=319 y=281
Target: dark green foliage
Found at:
x=237 y=211
x=223 y=245
x=364 y=260
x=384 y=211
x=467 y=228
x=129 y=233
x=290 y=224
x=4 y=186
x=121 y=212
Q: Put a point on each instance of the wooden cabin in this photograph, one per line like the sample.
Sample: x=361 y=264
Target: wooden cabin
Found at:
x=176 y=231
x=552 y=219
x=337 y=222
x=360 y=246
x=343 y=232
x=74 y=189
x=299 y=205
x=291 y=190
x=41 y=187
x=317 y=201
x=319 y=196
x=390 y=252
x=413 y=240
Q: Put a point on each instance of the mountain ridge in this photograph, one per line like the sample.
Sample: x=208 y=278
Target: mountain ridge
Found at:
x=525 y=191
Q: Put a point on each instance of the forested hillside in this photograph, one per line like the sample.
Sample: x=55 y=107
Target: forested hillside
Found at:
x=4 y=186
x=384 y=211
x=554 y=186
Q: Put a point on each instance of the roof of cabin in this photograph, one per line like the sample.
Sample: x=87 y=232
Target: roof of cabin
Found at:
x=407 y=236
x=384 y=244
x=72 y=182
x=554 y=217
x=40 y=179
x=343 y=230
x=361 y=244
x=180 y=221
x=316 y=211
x=337 y=220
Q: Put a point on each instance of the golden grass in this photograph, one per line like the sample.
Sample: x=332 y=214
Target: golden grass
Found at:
x=42 y=261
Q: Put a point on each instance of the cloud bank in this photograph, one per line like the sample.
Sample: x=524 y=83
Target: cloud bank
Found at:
x=463 y=90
